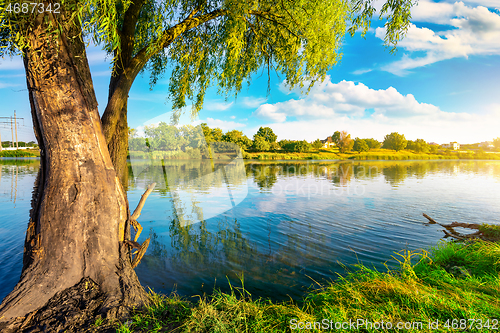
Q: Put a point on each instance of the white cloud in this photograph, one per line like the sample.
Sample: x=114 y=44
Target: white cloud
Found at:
x=96 y=56
x=11 y=63
x=233 y=117
x=367 y=112
x=476 y=31
x=329 y=99
x=271 y=112
x=140 y=131
x=361 y=71
x=8 y=85
x=222 y=124
x=217 y=105
x=253 y=102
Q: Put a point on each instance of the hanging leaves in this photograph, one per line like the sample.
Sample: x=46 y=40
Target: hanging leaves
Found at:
x=222 y=42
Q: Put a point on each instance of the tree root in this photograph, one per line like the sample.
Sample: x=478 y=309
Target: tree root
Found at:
x=76 y=309
x=484 y=232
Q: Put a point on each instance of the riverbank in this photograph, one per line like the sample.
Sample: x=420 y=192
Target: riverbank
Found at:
x=374 y=154
x=20 y=153
x=452 y=285
x=326 y=154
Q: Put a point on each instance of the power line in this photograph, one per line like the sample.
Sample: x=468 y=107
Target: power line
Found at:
x=5 y=120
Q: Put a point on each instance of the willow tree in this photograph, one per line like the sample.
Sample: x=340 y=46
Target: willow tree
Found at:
x=78 y=229
x=205 y=43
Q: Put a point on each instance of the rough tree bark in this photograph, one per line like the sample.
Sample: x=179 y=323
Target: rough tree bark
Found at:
x=74 y=244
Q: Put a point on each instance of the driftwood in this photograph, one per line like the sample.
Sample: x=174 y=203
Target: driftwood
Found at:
x=451 y=232
x=141 y=249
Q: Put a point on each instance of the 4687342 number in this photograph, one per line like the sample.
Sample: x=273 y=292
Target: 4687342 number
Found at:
x=33 y=7
x=462 y=324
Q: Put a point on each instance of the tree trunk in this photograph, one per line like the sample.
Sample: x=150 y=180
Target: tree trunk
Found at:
x=118 y=148
x=114 y=119
x=74 y=243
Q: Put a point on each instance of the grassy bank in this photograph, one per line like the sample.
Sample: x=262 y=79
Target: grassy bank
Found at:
x=20 y=153
x=452 y=281
x=374 y=154
x=312 y=155
x=320 y=154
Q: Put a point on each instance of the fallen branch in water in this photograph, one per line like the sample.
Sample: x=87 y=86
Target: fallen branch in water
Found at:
x=484 y=231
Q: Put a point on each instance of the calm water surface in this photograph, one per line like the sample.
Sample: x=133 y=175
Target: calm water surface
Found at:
x=280 y=226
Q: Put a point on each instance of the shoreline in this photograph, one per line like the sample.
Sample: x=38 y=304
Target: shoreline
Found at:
x=325 y=155
x=445 y=284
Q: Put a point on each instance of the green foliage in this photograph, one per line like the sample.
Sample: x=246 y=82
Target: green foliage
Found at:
x=302 y=146
x=211 y=134
x=336 y=138
x=164 y=137
x=419 y=146
x=267 y=134
x=373 y=144
x=423 y=289
x=343 y=141
x=317 y=144
x=17 y=153
x=216 y=42
x=7 y=144
x=238 y=138
x=287 y=145
x=490 y=231
x=496 y=143
x=360 y=145
x=260 y=143
x=395 y=141
x=295 y=146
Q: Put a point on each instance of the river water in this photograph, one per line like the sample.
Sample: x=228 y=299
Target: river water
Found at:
x=279 y=227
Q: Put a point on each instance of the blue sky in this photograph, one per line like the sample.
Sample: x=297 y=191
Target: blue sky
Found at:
x=442 y=85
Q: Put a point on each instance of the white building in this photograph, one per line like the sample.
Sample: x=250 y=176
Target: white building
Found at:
x=486 y=144
x=328 y=142
x=451 y=145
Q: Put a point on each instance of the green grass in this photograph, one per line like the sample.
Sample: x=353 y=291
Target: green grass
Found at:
x=323 y=154
x=20 y=153
x=450 y=281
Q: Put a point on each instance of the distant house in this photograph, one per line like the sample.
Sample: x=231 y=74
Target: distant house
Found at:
x=328 y=142
x=451 y=145
x=486 y=144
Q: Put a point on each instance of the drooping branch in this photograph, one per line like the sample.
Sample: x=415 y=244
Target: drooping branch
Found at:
x=119 y=96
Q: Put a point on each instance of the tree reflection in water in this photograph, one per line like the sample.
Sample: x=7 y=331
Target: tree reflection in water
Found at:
x=277 y=256
x=272 y=266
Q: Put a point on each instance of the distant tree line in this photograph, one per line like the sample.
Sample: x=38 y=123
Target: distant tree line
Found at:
x=7 y=144
x=168 y=137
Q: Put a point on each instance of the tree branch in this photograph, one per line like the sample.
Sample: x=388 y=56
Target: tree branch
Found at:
x=117 y=99
x=261 y=14
x=140 y=205
x=127 y=40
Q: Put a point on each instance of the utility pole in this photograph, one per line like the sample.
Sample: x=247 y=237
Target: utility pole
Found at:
x=15 y=125
x=11 y=132
x=5 y=121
